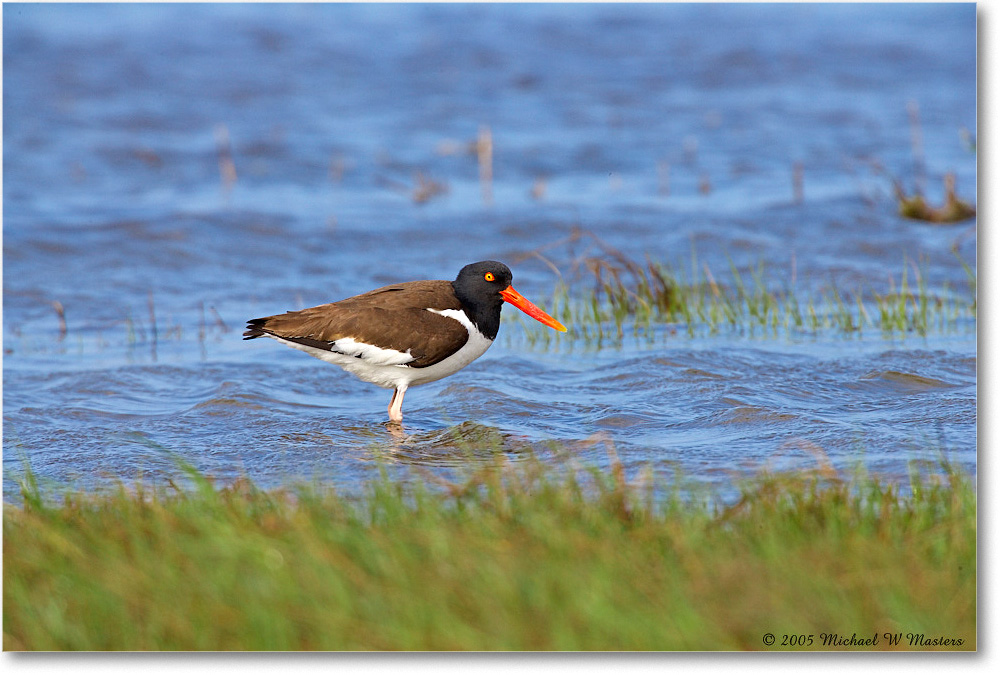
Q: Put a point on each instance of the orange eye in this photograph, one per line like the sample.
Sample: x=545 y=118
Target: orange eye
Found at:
x=489 y=276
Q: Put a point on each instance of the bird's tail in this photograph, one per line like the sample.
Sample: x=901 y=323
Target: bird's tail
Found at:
x=255 y=328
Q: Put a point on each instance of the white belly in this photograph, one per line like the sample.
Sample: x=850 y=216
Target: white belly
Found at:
x=387 y=367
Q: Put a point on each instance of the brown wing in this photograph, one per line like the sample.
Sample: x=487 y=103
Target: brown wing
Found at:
x=391 y=317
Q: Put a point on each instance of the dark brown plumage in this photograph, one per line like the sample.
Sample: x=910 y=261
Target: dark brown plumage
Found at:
x=387 y=318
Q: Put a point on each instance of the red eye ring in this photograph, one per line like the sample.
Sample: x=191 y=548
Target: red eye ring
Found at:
x=489 y=276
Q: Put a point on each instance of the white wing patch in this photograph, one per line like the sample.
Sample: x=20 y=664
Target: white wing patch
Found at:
x=459 y=316
x=377 y=356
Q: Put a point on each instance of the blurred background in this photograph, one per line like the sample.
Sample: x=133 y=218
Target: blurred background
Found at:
x=173 y=170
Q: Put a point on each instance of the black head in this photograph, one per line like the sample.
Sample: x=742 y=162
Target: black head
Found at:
x=483 y=279
x=478 y=288
x=483 y=287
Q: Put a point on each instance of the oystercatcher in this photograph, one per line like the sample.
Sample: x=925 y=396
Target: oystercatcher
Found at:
x=405 y=334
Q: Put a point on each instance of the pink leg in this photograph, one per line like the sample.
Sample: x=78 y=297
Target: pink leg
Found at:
x=396 y=406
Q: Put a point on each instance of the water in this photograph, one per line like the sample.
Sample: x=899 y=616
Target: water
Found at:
x=660 y=129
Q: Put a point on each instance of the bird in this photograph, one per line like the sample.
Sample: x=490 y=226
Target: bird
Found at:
x=405 y=334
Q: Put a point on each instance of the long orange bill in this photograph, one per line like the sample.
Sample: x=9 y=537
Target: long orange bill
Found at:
x=518 y=300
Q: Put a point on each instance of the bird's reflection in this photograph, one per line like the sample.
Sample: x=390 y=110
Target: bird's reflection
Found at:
x=453 y=445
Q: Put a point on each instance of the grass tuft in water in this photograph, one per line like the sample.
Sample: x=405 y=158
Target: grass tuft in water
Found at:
x=624 y=298
x=513 y=557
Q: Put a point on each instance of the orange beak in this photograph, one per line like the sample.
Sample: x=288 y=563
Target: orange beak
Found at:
x=518 y=300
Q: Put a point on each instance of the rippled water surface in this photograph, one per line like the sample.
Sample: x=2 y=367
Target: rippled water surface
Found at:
x=662 y=130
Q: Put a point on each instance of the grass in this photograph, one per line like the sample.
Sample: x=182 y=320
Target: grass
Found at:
x=618 y=298
x=514 y=557
x=625 y=298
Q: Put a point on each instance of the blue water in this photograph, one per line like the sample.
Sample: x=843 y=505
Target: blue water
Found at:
x=661 y=129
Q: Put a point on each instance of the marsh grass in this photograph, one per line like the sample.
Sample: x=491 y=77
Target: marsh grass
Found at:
x=522 y=556
x=620 y=298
